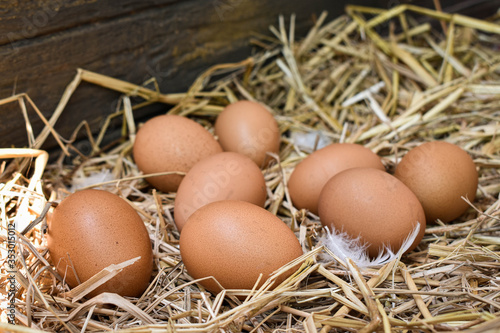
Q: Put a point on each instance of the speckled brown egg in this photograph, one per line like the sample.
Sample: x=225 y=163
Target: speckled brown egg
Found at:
x=373 y=205
x=312 y=173
x=439 y=173
x=92 y=229
x=223 y=176
x=248 y=128
x=235 y=241
x=169 y=143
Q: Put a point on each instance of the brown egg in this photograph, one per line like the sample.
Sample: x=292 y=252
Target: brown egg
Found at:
x=312 y=173
x=373 y=205
x=92 y=229
x=223 y=176
x=235 y=241
x=250 y=129
x=439 y=173
x=171 y=143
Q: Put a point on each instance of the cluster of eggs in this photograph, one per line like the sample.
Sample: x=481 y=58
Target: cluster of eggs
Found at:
x=348 y=187
x=227 y=238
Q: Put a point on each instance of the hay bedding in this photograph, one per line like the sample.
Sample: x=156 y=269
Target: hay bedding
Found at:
x=344 y=82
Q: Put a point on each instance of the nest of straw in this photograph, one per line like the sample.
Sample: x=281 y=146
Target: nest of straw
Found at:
x=344 y=82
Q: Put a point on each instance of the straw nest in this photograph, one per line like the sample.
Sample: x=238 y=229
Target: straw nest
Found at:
x=344 y=82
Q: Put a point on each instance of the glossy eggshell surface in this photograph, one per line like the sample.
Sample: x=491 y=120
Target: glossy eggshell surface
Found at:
x=248 y=128
x=223 y=176
x=171 y=143
x=235 y=241
x=439 y=173
x=312 y=173
x=373 y=205
x=92 y=229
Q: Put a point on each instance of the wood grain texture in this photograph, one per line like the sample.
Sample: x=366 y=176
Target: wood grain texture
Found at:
x=43 y=42
x=173 y=41
x=24 y=19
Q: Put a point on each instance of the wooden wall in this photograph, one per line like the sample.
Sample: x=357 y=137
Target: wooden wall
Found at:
x=43 y=42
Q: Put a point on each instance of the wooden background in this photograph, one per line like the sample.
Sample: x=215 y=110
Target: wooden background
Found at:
x=43 y=42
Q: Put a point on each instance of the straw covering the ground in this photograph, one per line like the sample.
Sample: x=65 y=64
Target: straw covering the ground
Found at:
x=387 y=79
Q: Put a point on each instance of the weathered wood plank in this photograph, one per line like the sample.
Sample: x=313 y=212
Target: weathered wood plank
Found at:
x=173 y=41
x=24 y=19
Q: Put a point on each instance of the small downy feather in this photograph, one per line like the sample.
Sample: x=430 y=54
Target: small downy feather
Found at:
x=344 y=246
x=80 y=180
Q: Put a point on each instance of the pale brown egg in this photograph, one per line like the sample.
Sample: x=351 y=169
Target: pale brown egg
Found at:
x=223 y=176
x=92 y=229
x=248 y=128
x=169 y=143
x=235 y=241
x=440 y=174
x=373 y=205
x=312 y=173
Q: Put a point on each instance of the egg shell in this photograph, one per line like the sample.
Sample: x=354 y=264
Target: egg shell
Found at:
x=223 y=176
x=235 y=241
x=439 y=173
x=373 y=205
x=171 y=143
x=248 y=128
x=92 y=229
x=312 y=173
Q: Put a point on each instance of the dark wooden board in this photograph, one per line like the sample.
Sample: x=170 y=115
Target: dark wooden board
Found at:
x=25 y=19
x=171 y=40
x=133 y=40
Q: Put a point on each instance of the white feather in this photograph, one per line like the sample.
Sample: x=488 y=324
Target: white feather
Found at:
x=80 y=180
x=310 y=140
x=343 y=246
